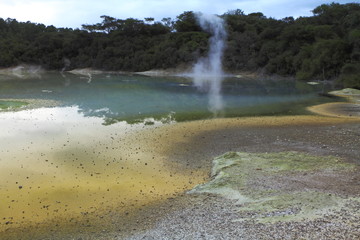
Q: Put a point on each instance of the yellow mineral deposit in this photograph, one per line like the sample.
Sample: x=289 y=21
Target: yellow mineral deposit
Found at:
x=54 y=166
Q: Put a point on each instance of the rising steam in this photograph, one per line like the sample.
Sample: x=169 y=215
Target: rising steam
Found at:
x=207 y=72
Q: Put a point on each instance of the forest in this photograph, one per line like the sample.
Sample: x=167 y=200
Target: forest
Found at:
x=325 y=46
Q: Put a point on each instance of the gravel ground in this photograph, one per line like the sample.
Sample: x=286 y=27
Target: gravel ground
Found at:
x=207 y=216
x=211 y=217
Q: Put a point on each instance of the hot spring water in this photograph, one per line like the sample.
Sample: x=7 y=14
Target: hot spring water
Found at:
x=83 y=150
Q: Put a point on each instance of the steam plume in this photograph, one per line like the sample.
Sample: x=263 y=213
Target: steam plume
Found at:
x=207 y=72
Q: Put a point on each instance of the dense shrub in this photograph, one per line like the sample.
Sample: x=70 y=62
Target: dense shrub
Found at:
x=323 y=46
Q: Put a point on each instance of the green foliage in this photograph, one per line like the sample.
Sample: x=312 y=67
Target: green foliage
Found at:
x=350 y=75
x=323 y=59
x=324 y=46
x=186 y=22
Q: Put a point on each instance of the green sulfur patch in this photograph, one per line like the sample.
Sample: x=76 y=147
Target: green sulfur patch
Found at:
x=270 y=186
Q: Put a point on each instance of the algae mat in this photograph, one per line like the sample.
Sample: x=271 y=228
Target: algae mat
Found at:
x=11 y=105
x=284 y=186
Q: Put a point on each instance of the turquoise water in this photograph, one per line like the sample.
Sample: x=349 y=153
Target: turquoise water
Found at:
x=133 y=98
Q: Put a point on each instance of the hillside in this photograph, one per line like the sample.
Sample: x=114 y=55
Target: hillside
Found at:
x=325 y=46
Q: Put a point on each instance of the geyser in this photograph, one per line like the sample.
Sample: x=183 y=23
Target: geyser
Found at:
x=207 y=72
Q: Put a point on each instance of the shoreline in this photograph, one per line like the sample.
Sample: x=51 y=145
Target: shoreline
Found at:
x=28 y=70
x=192 y=145
x=342 y=110
x=202 y=215
x=350 y=109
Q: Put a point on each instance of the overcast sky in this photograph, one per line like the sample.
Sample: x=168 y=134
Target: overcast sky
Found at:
x=73 y=13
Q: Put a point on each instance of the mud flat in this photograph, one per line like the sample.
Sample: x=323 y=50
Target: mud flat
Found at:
x=285 y=177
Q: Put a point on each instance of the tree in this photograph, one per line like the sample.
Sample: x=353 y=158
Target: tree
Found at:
x=149 y=19
x=186 y=22
x=323 y=46
x=169 y=23
x=235 y=12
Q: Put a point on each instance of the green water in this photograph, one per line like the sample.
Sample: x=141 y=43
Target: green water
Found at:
x=134 y=98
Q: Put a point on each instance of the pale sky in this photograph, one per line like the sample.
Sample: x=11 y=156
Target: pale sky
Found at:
x=73 y=13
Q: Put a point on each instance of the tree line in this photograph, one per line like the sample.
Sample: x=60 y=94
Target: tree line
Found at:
x=321 y=47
